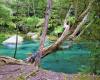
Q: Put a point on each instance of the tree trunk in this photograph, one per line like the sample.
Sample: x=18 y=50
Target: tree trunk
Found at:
x=64 y=36
x=43 y=36
x=45 y=28
x=84 y=29
x=80 y=25
x=61 y=39
x=57 y=43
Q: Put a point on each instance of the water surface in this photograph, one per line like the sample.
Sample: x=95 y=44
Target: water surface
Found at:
x=66 y=60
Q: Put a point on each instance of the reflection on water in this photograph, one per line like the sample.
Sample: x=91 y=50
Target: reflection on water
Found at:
x=67 y=60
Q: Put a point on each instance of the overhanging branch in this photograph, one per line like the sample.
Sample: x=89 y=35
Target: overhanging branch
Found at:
x=86 y=10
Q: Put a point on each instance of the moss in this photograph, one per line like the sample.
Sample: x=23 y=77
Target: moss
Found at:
x=98 y=78
x=21 y=78
x=84 y=77
x=33 y=74
x=52 y=38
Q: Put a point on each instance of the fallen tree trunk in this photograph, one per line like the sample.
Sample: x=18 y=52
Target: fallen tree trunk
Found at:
x=65 y=36
x=9 y=60
x=61 y=39
x=84 y=29
x=57 y=43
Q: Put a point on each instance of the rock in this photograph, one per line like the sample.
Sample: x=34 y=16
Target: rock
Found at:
x=32 y=35
x=11 y=42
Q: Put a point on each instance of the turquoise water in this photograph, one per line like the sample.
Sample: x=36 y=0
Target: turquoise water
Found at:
x=66 y=60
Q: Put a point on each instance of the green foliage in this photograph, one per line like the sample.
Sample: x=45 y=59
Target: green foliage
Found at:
x=3 y=36
x=31 y=21
x=31 y=14
x=6 y=17
x=5 y=12
x=11 y=25
x=58 y=29
x=92 y=32
x=71 y=19
x=40 y=22
x=2 y=21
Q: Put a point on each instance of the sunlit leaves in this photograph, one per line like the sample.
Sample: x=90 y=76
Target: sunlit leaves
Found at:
x=58 y=29
x=31 y=21
x=71 y=20
x=5 y=12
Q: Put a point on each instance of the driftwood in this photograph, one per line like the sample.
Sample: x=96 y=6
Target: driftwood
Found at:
x=10 y=60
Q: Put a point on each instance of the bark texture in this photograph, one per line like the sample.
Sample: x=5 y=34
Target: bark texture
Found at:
x=65 y=35
x=43 y=36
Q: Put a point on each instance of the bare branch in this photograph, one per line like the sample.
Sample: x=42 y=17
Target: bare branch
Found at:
x=47 y=15
x=64 y=36
x=84 y=30
x=79 y=26
x=86 y=10
x=37 y=57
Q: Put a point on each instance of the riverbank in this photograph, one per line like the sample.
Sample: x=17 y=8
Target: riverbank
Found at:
x=12 y=69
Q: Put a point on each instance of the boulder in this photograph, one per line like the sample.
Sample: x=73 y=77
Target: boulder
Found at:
x=11 y=42
x=29 y=34
x=32 y=35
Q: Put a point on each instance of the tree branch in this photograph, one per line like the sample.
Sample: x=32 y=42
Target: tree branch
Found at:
x=79 y=26
x=86 y=10
x=84 y=30
x=43 y=36
x=64 y=36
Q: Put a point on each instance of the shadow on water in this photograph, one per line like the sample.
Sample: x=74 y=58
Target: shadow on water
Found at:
x=67 y=60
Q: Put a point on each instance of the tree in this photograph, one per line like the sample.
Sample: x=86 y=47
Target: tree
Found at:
x=65 y=35
x=43 y=36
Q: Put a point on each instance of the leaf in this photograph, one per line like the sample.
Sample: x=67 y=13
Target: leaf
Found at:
x=41 y=21
x=58 y=29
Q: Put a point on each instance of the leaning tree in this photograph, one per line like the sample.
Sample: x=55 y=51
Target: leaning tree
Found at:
x=68 y=33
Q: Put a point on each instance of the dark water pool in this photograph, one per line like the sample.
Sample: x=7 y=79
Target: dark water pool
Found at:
x=67 y=60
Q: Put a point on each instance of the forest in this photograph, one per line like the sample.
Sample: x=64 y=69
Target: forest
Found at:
x=48 y=34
